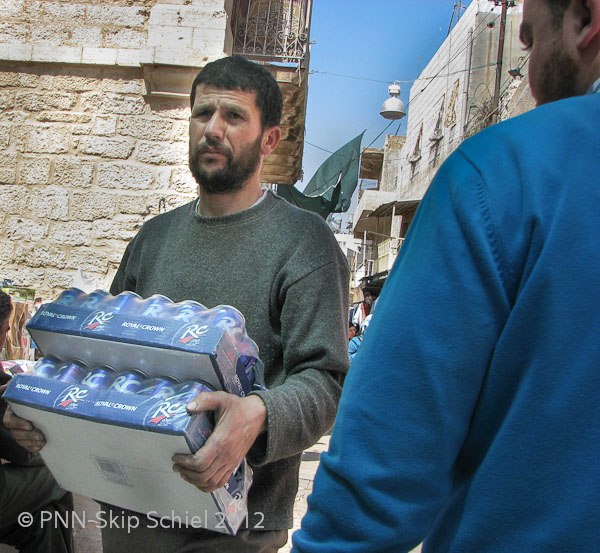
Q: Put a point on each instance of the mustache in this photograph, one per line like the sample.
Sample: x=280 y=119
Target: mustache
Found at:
x=215 y=147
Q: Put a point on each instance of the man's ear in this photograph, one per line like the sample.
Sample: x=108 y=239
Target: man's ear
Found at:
x=271 y=137
x=587 y=22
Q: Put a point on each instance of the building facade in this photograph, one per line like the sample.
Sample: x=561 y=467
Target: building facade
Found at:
x=462 y=90
x=94 y=109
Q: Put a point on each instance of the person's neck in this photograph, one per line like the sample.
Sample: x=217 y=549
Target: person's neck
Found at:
x=218 y=205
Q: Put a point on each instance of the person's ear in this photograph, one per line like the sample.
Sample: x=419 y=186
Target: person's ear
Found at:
x=271 y=137
x=586 y=15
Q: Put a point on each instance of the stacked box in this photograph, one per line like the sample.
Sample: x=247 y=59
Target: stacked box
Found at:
x=114 y=445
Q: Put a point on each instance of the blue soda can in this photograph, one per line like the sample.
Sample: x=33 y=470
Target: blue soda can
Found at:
x=159 y=387
x=94 y=298
x=128 y=382
x=71 y=297
x=230 y=319
x=100 y=378
x=188 y=310
x=125 y=302
x=72 y=372
x=189 y=389
x=46 y=367
x=155 y=306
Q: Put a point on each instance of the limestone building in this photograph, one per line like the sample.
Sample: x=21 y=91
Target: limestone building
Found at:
x=94 y=108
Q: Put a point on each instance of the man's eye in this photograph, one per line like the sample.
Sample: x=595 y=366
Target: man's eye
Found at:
x=234 y=115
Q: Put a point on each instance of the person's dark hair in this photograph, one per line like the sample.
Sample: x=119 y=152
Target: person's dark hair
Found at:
x=5 y=306
x=558 y=8
x=238 y=73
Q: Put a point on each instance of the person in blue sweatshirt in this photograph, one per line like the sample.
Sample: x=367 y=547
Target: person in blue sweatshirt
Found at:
x=470 y=419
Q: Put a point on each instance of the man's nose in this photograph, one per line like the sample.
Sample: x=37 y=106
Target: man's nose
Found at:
x=215 y=128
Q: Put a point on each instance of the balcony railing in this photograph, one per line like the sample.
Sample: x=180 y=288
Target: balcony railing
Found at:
x=272 y=30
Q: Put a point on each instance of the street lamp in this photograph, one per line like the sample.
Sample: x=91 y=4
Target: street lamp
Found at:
x=393 y=107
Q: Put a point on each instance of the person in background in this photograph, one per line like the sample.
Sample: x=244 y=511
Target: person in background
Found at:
x=470 y=419
x=27 y=487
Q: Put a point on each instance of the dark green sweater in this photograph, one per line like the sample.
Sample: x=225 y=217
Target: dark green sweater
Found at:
x=282 y=268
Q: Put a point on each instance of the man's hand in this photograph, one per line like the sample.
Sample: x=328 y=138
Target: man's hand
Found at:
x=23 y=432
x=238 y=422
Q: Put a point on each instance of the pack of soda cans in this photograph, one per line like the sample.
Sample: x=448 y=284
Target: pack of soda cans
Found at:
x=111 y=391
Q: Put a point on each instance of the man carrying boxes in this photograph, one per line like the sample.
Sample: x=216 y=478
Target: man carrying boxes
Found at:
x=282 y=268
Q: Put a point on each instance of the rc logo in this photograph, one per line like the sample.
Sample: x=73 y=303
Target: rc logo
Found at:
x=192 y=332
x=166 y=412
x=71 y=397
x=98 y=319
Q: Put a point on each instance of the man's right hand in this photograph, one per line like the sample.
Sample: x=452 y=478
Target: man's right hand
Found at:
x=23 y=432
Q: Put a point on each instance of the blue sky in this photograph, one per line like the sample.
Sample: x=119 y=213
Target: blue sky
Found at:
x=376 y=42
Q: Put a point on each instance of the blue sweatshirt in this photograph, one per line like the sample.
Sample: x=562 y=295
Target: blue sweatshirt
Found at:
x=471 y=415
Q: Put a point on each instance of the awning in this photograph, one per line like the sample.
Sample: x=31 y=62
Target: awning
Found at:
x=398 y=207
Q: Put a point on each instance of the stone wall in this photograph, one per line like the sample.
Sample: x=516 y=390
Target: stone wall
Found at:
x=87 y=154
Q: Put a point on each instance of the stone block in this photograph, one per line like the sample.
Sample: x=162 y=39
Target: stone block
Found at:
x=57 y=280
x=87 y=259
x=124 y=38
x=170 y=36
x=125 y=176
x=186 y=16
x=72 y=233
x=172 y=108
x=79 y=130
x=105 y=125
x=51 y=202
x=181 y=131
x=30 y=278
x=115 y=148
x=22 y=80
x=7 y=99
x=131 y=58
x=126 y=16
x=57 y=35
x=10 y=9
x=13 y=199
x=35 y=170
x=56 y=54
x=53 y=12
x=113 y=103
x=122 y=86
x=101 y=56
x=117 y=229
x=13 y=33
x=69 y=171
x=145 y=128
x=75 y=83
x=40 y=255
x=16 y=52
x=4 y=135
x=86 y=36
x=183 y=181
x=89 y=206
x=37 y=101
x=19 y=228
x=40 y=139
x=8 y=168
x=162 y=154
x=62 y=117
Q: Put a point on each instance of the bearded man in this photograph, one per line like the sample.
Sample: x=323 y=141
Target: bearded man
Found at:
x=281 y=266
x=478 y=430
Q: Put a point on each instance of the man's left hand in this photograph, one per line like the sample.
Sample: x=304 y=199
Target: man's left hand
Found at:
x=238 y=422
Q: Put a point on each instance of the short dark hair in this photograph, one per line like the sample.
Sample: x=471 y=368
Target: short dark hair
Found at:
x=238 y=73
x=558 y=8
x=5 y=306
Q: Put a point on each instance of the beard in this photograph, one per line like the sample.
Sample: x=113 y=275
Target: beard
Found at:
x=232 y=176
x=559 y=78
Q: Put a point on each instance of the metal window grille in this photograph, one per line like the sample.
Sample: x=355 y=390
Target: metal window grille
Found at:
x=272 y=30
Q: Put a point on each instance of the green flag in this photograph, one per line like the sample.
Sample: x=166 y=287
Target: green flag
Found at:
x=331 y=187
